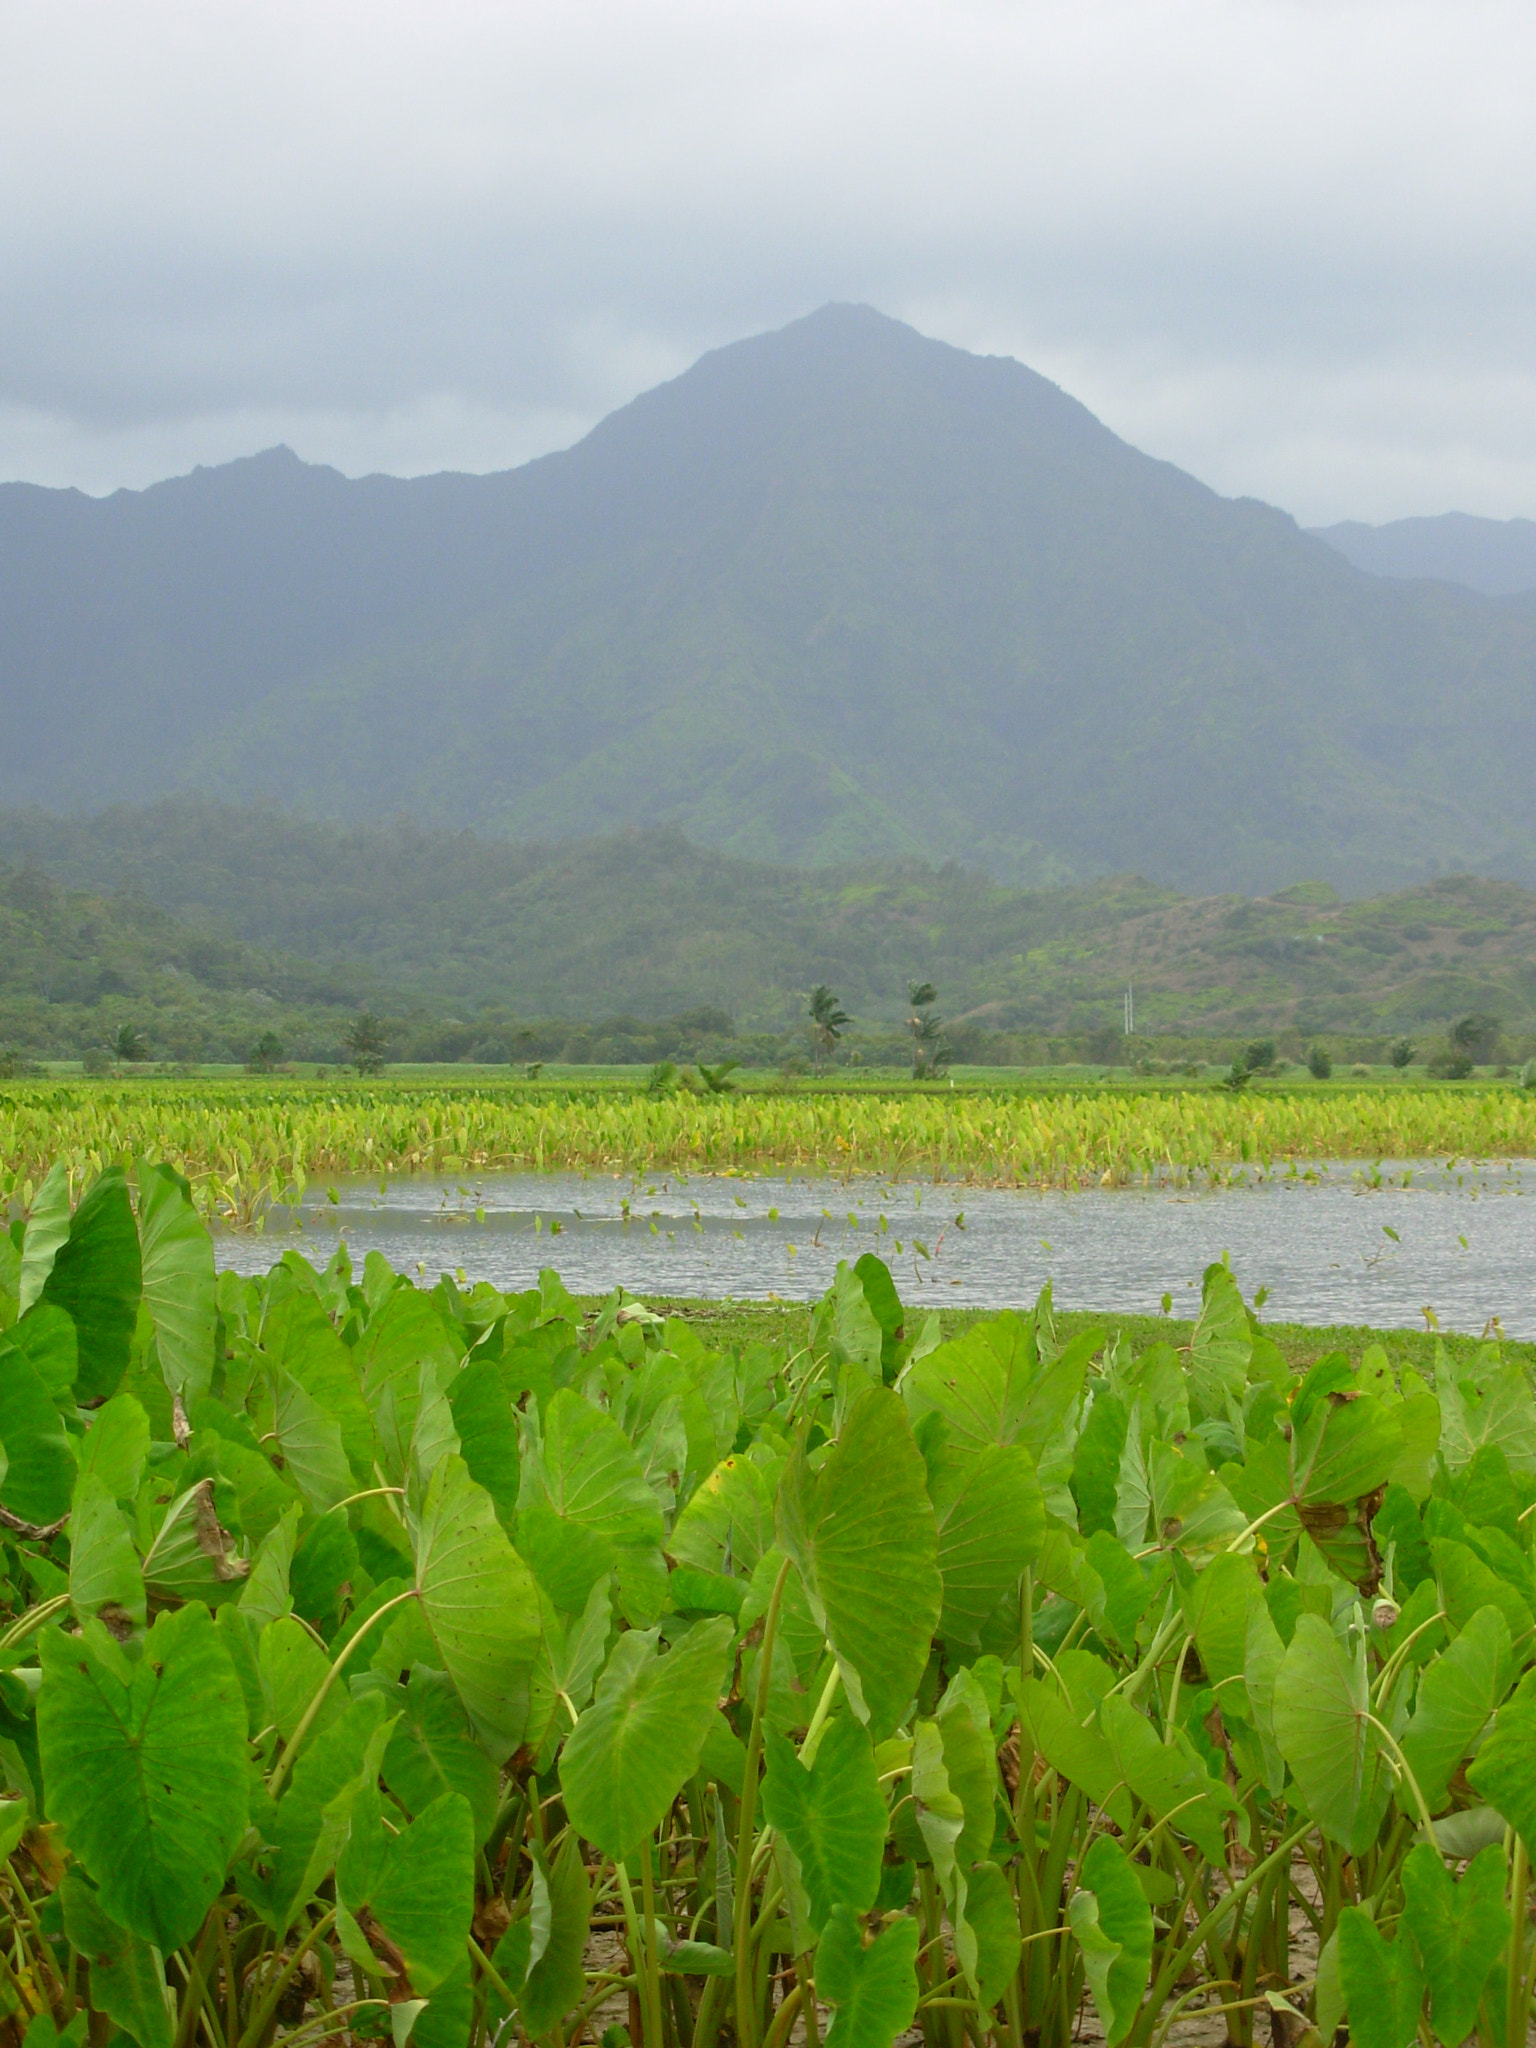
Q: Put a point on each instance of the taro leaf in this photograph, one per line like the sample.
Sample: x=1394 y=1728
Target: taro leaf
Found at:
x=556 y=1978
x=978 y=1382
x=1080 y=1755
x=47 y=1229
x=936 y=1807
x=1113 y=1924
x=447 y=2018
x=970 y=1764
x=1222 y=1345
x=1096 y=1462
x=857 y=1338
x=862 y=1532
x=1191 y=1508
x=178 y=1279
x=297 y=1336
x=1383 y=1987
x=991 y=1520
x=433 y=1751
x=127 y=1981
x=324 y=1570
x=46 y=1338
x=1345 y=1448
x=97 y=1279
x=41 y=1474
x=874 y=1988
x=192 y=1556
x=1466 y=1584
x=293 y=1669
x=1457 y=1696
x=832 y=1815
x=1168 y=1779
x=487 y=1431
x=424 y=1895
x=1459 y=1931
x=479 y=1604
x=1217 y=1605
x=993 y=1920
x=310 y=1443
x=885 y=1305
x=116 y=1445
x=1486 y=1408
x=303 y=1844
x=433 y=1436
x=1504 y=1770
x=583 y=1500
x=638 y=1744
x=146 y=1768
x=267 y=1592
x=728 y=1522
x=103 y=1564
x=1126 y=1587
x=1321 y=1701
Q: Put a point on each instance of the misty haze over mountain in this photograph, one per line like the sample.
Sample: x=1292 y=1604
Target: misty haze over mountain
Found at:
x=838 y=592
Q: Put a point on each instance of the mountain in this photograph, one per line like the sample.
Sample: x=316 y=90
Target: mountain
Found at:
x=465 y=936
x=1496 y=556
x=838 y=593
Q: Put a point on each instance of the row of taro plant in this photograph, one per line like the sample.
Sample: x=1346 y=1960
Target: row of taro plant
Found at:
x=450 y=1667
x=247 y=1144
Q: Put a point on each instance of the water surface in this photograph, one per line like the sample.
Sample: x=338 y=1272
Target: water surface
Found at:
x=1341 y=1244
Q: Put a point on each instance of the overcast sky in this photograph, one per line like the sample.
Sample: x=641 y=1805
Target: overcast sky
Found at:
x=1289 y=244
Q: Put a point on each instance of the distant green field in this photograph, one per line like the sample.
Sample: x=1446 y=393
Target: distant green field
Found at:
x=245 y=1140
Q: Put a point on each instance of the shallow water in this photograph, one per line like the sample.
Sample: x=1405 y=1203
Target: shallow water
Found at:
x=1465 y=1244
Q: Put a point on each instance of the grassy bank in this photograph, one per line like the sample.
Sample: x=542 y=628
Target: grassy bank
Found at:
x=722 y=1324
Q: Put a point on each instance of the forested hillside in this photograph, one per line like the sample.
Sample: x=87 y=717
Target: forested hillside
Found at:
x=643 y=924
x=837 y=594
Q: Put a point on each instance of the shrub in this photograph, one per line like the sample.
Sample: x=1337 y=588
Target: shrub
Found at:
x=1319 y=1063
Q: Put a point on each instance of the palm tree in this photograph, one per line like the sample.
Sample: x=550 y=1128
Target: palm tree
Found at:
x=828 y=1022
x=930 y=1048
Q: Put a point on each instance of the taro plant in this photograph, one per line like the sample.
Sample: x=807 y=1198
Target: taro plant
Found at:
x=452 y=1667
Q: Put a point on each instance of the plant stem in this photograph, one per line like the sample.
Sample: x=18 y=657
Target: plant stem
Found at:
x=652 y=1958
x=817 y=1729
x=746 y=2009
x=322 y=1691
x=1514 y=2020
x=1176 y=1965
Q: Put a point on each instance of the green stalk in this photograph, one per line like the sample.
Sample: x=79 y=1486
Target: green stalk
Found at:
x=803 y=1969
x=1514 y=2018
x=746 y=2008
x=652 y=1958
x=817 y=1729
x=256 y=2026
x=1175 y=1967
x=322 y=1691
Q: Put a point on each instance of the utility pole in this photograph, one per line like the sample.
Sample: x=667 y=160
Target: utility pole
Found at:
x=1129 y=1007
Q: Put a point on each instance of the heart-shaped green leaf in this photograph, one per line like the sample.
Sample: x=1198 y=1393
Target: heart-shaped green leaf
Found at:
x=145 y=1765
x=1383 y=1986
x=479 y=1604
x=862 y=1533
x=1321 y=1709
x=1459 y=1930
x=873 y=1985
x=833 y=1816
x=637 y=1745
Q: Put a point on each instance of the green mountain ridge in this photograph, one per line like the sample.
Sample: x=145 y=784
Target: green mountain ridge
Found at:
x=461 y=934
x=838 y=594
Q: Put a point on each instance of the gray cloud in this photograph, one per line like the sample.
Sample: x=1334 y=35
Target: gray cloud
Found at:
x=1286 y=243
